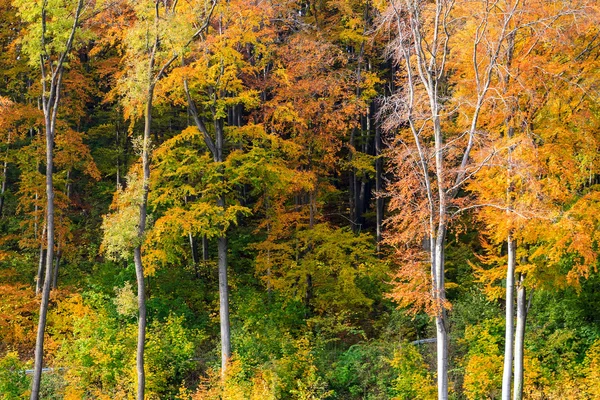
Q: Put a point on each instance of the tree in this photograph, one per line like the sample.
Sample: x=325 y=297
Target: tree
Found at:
x=438 y=132
x=55 y=25
x=519 y=188
x=158 y=46
x=214 y=90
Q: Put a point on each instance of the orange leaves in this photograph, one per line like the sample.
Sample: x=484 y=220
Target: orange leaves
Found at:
x=73 y=153
x=18 y=305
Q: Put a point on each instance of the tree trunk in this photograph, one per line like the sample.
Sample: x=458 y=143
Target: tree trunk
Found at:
x=440 y=319
x=508 y=332
x=39 y=343
x=378 y=187
x=216 y=148
x=194 y=251
x=137 y=255
x=41 y=264
x=224 y=303
x=55 y=270
x=50 y=99
x=522 y=309
x=2 y=193
x=204 y=249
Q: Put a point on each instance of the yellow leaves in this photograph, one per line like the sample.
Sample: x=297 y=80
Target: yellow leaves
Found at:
x=336 y=259
x=483 y=364
x=126 y=300
x=414 y=380
x=121 y=225
x=59 y=21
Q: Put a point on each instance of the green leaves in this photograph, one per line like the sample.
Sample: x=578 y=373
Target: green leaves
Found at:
x=120 y=227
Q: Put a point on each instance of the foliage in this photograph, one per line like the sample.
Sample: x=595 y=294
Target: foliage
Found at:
x=14 y=384
x=414 y=380
x=325 y=114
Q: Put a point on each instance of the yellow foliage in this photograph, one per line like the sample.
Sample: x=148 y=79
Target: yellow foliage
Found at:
x=121 y=226
x=232 y=386
x=483 y=364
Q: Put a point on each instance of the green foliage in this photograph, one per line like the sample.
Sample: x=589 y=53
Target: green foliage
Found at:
x=483 y=362
x=99 y=358
x=169 y=353
x=120 y=226
x=59 y=22
x=14 y=384
x=414 y=379
x=364 y=372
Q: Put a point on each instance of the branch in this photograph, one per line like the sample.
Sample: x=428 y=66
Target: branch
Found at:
x=199 y=123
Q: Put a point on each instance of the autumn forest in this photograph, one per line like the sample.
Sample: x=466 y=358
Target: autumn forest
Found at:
x=299 y=199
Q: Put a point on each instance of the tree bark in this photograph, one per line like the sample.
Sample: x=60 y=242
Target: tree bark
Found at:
x=39 y=343
x=51 y=86
x=216 y=148
x=41 y=264
x=224 y=304
x=137 y=255
x=522 y=309
x=378 y=187
x=440 y=319
x=509 y=324
x=55 y=269
x=204 y=249
x=222 y=254
x=2 y=193
x=194 y=252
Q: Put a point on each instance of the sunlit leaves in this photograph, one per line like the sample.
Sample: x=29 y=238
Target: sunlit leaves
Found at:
x=120 y=226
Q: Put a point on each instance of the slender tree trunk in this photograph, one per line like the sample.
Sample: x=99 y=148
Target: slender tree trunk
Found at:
x=137 y=255
x=204 y=249
x=51 y=85
x=56 y=266
x=352 y=187
x=224 y=303
x=308 y=294
x=222 y=254
x=194 y=251
x=522 y=309
x=440 y=319
x=3 y=190
x=41 y=264
x=4 y=177
x=39 y=343
x=509 y=329
x=378 y=187
x=141 y=339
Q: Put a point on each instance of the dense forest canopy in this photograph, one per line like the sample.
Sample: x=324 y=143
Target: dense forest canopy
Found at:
x=273 y=199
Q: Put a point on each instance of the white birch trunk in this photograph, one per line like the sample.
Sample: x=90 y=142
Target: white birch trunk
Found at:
x=520 y=339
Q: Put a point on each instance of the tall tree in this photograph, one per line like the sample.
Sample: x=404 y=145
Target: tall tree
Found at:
x=51 y=33
x=150 y=49
x=212 y=79
x=432 y=154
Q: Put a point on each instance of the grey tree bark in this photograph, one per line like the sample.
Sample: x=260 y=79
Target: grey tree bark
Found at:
x=41 y=263
x=509 y=320
x=522 y=309
x=216 y=148
x=52 y=73
x=378 y=187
